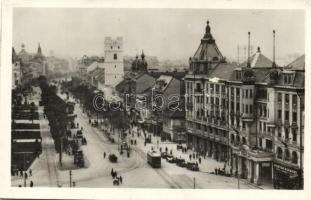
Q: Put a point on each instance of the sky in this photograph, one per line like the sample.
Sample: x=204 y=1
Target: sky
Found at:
x=165 y=33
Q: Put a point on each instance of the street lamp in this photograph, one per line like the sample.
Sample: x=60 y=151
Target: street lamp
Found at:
x=300 y=93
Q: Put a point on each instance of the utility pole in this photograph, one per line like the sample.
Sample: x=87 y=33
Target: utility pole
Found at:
x=60 y=151
x=24 y=173
x=70 y=178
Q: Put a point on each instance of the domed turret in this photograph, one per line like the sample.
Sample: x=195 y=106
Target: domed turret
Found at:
x=139 y=65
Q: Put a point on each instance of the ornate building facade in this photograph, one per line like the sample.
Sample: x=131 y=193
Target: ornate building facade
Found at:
x=250 y=116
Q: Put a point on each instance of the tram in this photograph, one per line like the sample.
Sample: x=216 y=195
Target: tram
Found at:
x=154 y=159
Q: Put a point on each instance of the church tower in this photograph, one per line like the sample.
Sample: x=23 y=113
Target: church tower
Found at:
x=114 y=67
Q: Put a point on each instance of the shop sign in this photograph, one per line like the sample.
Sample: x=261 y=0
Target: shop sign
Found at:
x=285 y=169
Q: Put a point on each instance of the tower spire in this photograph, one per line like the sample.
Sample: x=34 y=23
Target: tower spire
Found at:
x=248 y=61
x=39 y=49
x=142 y=54
x=273 y=63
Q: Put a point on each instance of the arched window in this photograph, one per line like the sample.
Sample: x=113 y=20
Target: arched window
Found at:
x=287 y=155
x=238 y=139
x=232 y=138
x=243 y=140
x=279 y=153
x=294 y=157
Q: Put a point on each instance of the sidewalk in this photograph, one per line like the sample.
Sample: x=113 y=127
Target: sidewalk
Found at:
x=44 y=171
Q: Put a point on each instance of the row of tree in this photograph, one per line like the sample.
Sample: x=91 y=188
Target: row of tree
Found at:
x=86 y=94
x=55 y=111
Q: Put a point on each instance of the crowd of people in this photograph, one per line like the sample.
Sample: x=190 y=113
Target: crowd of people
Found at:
x=24 y=175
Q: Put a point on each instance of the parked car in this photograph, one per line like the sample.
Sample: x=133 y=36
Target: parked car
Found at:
x=192 y=166
x=180 y=162
x=163 y=155
x=170 y=159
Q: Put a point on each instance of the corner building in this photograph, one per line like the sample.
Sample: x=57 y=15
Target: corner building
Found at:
x=249 y=116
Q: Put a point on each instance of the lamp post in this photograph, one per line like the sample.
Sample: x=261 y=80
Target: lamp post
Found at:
x=300 y=93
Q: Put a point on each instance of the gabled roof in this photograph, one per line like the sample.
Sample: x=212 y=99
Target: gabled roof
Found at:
x=298 y=64
x=94 y=65
x=94 y=73
x=162 y=82
x=223 y=71
x=258 y=60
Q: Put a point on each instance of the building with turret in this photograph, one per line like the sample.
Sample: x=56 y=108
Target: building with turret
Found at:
x=27 y=66
x=249 y=116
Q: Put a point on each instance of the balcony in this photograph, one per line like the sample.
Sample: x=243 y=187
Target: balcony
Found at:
x=198 y=90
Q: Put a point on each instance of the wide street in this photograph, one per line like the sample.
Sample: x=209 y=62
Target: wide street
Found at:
x=136 y=172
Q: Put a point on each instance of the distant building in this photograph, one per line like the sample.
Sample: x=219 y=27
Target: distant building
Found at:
x=16 y=70
x=27 y=66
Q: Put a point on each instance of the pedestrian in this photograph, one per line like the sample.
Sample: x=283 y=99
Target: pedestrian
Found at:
x=216 y=171
x=104 y=155
x=21 y=173
x=193 y=155
x=112 y=172
x=31 y=184
x=26 y=175
x=190 y=156
x=121 y=179
x=30 y=172
x=19 y=185
x=171 y=152
x=200 y=160
x=166 y=149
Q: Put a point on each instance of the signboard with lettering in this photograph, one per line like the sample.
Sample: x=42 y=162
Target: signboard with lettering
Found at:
x=284 y=169
x=265 y=164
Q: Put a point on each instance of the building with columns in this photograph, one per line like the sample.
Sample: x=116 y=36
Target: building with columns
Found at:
x=248 y=115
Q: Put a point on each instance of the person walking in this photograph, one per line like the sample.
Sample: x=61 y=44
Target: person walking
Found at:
x=104 y=155
x=31 y=184
x=200 y=160
x=121 y=179
x=26 y=175
x=190 y=156
x=30 y=172
x=112 y=172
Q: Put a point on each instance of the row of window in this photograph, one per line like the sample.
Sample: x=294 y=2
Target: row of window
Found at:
x=287 y=135
x=294 y=98
x=286 y=112
x=287 y=156
x=208 y=129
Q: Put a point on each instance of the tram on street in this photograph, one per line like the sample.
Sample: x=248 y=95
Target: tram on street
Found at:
x=154 y=159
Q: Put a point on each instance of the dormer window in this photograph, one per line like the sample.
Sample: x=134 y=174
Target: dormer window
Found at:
x=238 y=75
x=288 y=78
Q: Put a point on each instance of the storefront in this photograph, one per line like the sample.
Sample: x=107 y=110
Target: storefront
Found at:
x=286 y=177
x=253 y=165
